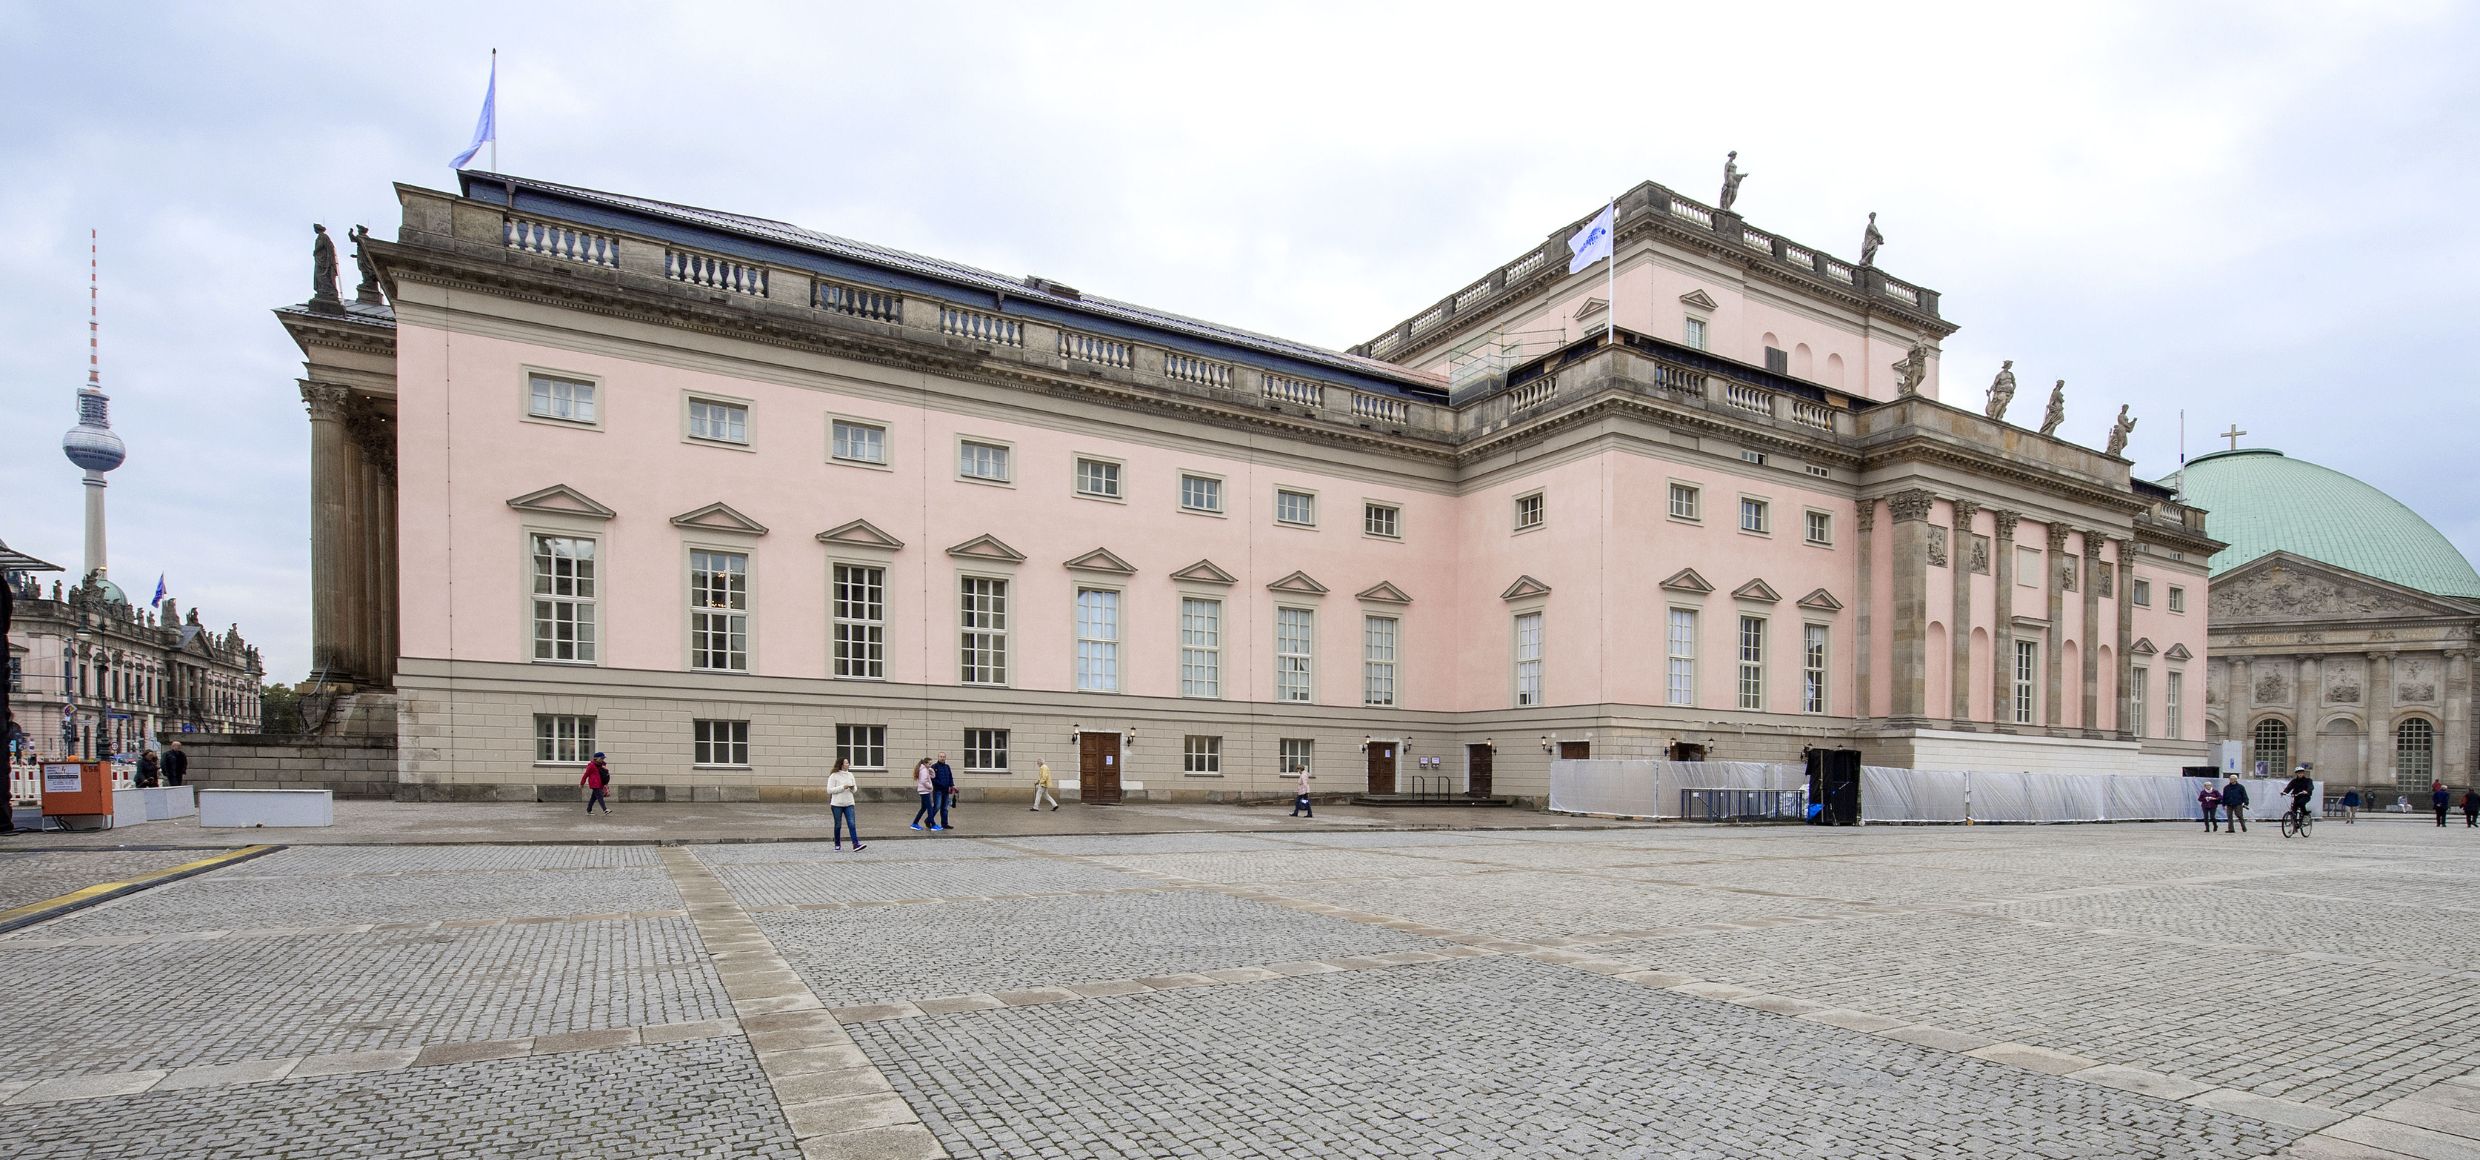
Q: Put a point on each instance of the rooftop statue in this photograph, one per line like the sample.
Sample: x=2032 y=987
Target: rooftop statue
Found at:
x=2057 y=409
x=1913 y=370
x=2002 y=391
x=1869 y=241
x=368 y=292
x=2119 y=430
x=323 y=266
x=1731 y=177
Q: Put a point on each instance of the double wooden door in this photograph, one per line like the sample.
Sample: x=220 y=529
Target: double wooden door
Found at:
x=1477 y=771
x=1097 y=769
x=1381 y=766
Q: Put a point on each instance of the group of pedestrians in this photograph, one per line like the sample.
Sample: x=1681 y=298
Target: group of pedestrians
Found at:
x=2441 y=799
x=2227 y=803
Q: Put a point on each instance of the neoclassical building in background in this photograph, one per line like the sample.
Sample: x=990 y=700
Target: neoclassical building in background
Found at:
x=727 y=498
x=2344 y=627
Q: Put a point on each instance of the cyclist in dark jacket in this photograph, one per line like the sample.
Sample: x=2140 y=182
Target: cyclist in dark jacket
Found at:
x=2301 y=787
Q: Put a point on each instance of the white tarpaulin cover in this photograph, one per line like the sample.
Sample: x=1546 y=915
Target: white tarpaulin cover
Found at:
x=1652 y=789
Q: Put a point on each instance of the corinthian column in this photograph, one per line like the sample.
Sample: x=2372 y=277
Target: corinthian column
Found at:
x=1864 y=586
x=2090 y=634
x=2125 y=593
x=2002 y=621
x=1910 y=660
x=331 y=484
x=2055 y=568
x=1959 y=560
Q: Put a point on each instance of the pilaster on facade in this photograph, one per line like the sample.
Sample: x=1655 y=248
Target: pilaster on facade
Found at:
x=2056 y=567
x=2123 y=550
x=1909 y=659
x=2002 y=619
x=1959 y=628
x=2089 y=635
x=1865 y=524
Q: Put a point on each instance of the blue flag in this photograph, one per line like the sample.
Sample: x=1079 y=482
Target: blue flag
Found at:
x=1592 y=243
x=486 y=127
x=159 y=591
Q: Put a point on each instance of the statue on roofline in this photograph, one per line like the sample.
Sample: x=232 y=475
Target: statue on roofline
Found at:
x=2057 y=409
x=1731 y=177
x=323 y=267
x=368 y=292
x=1869 y=241
x=2119 y=430
x=2002 y=391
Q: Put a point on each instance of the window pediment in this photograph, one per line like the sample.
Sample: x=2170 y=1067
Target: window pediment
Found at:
x=1384 y=592
x=1757 y=590
x=1204 y=572
x=1822 y=601
x=2143 y=647
x=1298 y=584
x=860 y=534
x=986 y=547
x=1524 y=587
x=719 y=517
x=2178 y=652
x=1686 y=580
x=1699 y=299
x=1102 y=560
x=561 y=499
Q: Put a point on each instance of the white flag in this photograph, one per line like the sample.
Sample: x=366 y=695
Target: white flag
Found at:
x=1592 y=243
x=486 y=126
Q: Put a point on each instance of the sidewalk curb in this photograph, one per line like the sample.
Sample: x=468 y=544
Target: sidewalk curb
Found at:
x=76 y=900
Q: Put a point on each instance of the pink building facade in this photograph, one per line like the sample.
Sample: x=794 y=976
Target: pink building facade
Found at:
x=727 y=499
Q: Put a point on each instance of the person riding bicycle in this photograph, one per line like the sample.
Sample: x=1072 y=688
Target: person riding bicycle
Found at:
x=2301 y=787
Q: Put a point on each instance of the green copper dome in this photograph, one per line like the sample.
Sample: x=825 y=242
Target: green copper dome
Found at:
x=2263 y=501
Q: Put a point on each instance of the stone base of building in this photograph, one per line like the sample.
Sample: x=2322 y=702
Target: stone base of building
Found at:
x=354 y=755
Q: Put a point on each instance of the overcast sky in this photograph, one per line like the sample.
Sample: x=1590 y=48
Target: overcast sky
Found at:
x=2259 y=213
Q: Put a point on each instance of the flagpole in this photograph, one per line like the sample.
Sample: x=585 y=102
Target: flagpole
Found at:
x=1610 y=289
x=495 y=110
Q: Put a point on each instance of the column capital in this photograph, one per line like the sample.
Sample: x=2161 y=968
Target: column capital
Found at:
x=2057 y=536
x=1867 y=507
x=325 y=401
x=1911 y=504
x=1964 y=510
x=2006 y=522
x=2092 y=545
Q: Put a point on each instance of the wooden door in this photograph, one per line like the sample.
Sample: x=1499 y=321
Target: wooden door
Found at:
x=1477 y=771
x=1683 y=751
x=1097 y=769
x=1575 y=750
x=1381 y=767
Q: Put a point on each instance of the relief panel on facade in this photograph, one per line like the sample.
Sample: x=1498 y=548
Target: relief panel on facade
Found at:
x=2066 y=575
x=2342 y=683
x=2415 y=679
x=1980 y=555
x=1937 y=547
x=2288 y=594
x=2273 y=687
x=2105 y=579
x=2217 y=683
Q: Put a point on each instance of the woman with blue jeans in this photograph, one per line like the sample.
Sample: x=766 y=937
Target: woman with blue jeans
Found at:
x=840 y=803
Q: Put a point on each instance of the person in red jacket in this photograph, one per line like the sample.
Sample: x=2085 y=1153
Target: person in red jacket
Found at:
x=597 y=777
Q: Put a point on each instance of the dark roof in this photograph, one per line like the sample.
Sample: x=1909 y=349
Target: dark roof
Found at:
x=1011 y=294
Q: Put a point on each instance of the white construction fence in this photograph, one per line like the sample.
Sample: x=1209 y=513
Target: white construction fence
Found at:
x=1748 y=790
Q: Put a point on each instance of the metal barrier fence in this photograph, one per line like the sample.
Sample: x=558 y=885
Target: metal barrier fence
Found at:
x=1735 y=790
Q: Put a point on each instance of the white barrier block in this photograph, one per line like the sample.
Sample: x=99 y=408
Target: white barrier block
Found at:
x=242 y=808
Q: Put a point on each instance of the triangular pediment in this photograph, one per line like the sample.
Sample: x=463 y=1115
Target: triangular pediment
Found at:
x=1686 y=580
x=563 y=500
x=860 y=534
x=1102 y=560
x=1757 y=590
x=1524 y=587
x=1822 y=601
x=1204 y=572
x=2287 y=588
x=1699 y=299
x=1384 y=592
x=2143 y=647
x=1592 y=306
x=2178 y=652
x=719 y=517
x=1298 y=584
x=986 y=547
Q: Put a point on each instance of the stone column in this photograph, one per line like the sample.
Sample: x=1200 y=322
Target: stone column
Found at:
x=2124 y=582
x=1959 y=559
x=353 y=602
x=388 y=643
x=1909 y=669
x=2379 y=760
x=1863 y=587
x=330 y=461
x=2454 y=739
x=2054 y=570
x=2088 y=636
x=2002 y=621
x=2307 y=696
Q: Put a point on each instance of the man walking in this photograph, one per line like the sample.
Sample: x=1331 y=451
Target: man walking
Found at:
x=942 y=791
x=2350 y=807
x=176 y=764
x=1042 y=787
x=2439 y=799
x=2234 y=806
x=1300 y=799
x=2471 y=809
x=597 y=779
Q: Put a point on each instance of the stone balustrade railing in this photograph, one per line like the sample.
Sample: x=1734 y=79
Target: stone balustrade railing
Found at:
x=1109 y=352
x=1298 y=392
x=1188 y=368
x=554 y=240
x=714 y=273
x=973 y=324
x=1380 y=408
x=858 y=301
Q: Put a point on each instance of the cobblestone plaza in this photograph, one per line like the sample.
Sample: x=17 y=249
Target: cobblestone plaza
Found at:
x=1329 y=990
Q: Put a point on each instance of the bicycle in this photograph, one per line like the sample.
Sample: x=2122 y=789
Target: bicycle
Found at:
x=2297 y=822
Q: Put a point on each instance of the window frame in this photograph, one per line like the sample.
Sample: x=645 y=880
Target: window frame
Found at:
x=2170 y=696
x=1284 y=757
x=525 y=398
x=580 y=738
x=1816 y=660
x=2403 y=742
x=1210 y=653
x=1394 y=513
x=703 y=743
x=1118 y=472
x=967 y=630
x=981 y=745
x=886 y=442
x=839 y=623
x=1538 y=500
x=1307 y=496
x=2025 y=684
x=1810 y=519
x=2256 y=744
x=592 y=638
x=1751 y=669
x=1678 y=666
x=1764 y=509
x=1695 y=494
x=1375 y=671
x=1696 y=332
x=746 y=613
x=1007 y=460
x=690 y=401
x=2177 y=600
x=1526 y=672
x=1108 y=653
x=1201 y=755
x=861 y=740
x=1307 y=657
x=2139 y=688
x=1220 y=486
x=2140 y=593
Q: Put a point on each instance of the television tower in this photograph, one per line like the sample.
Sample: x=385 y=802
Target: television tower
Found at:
x=91 y=444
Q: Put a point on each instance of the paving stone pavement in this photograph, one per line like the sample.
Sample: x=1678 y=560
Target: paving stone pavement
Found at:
x=1734 y=992
x=28 y=876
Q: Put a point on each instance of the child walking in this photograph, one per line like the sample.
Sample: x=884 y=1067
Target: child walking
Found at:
x=597 y=778
x=840 y=803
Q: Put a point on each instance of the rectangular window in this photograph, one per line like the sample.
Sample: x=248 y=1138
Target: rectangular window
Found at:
x=1201 y=493
x=561 y=740
x=1379 y=635
x=1201 y=756
x=1820 y=528
x=1816 y=470
x=1812 y=668
x=860 y=622
x=1098 y=478
x=2136 y=680
x=1530 y=511
x=719 y=611
x=858 y=442
x=564 y=599
x=1778 y=361
x=1201 y=647
x=985 y=751
x=1756 y=457
x=720 y=742
x=1294 y=636
x=719 y=421
x=1295 y=507
x=1297 y=755
x=1694 y=336
x=865 y=746
x=1684 y=502
x=1097 y=640
x=2027 y=678
x=983 y=608
x=1383 y=520
x=1753 y=516
x=568 y=400
x=1528 y=659
x=1752 y=662
x=1682 y=675
x=2170 y=720
x=2143 y=594
x=983 y=461
x=2178 y=599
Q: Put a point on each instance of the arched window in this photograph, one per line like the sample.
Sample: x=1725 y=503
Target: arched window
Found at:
x=2415 y=753
x=2273 y=746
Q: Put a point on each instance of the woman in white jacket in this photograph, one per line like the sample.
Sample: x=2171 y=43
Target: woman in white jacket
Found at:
x=840 y=783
